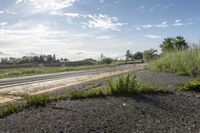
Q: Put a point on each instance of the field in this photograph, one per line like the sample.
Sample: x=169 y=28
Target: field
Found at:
x=19 y=72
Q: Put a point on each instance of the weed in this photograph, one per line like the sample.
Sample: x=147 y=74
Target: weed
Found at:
x=38 y=100
x=193 y=85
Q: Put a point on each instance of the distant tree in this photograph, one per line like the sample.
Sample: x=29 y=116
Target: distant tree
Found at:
x=149 y=55
x=128 y=55
x=106 y=60
x=54 y=58
x=172 y=44
x=138 y=56
x=49 y=58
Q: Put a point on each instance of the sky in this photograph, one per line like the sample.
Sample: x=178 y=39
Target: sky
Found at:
x=79 y=29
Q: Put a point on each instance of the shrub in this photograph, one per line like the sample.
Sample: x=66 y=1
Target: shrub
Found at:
x=106 y=61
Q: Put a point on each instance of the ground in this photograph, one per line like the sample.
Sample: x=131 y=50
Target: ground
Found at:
x=173 y=112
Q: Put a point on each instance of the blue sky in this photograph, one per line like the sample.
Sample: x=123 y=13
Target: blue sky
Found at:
x=87 y=28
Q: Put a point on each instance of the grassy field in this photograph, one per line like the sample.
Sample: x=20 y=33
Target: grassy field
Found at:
x=123 y=85
x=180 y=62
x=19 y=72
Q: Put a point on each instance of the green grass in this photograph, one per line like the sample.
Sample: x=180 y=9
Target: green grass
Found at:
x=123 y=85
x=180 y=62
x=12 y=108
x=19 y=72
x=192 y=86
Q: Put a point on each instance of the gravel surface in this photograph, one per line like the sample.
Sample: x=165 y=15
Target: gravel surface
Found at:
x=154 y=113
x=160 y=79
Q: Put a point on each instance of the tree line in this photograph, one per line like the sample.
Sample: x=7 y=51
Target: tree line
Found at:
x=31 y=59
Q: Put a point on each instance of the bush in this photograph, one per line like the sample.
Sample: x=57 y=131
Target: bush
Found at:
x=149 y=55
x=106 y=61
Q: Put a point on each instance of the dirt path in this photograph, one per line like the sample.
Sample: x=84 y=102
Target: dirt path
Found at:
x=136 y=113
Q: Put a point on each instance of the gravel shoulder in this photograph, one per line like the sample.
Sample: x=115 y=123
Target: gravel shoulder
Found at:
x=172 y=112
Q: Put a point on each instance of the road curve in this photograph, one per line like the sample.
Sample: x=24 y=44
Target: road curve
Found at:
x=12 y=82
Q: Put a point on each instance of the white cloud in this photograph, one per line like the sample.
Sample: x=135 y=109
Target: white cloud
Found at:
x=103 y=22
x=3 y=23
x=8 y=12
x=101 y=1
x=152 y=36
x=178 y=22
x=47 y=5
x=164 y=24
x=103 y=37
x=147 y=26
x=1 y=12
x=69 y=14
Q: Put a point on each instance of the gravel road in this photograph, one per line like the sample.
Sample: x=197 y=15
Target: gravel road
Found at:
x=148 y=113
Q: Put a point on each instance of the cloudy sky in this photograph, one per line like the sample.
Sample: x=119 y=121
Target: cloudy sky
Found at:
x=87 y=28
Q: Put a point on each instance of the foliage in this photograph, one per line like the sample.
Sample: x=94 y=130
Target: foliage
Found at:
x=38 y=100
x=193 y=85
x=138 y=56
x=128 y=55
x=150 y=55
x=174 y=44
x=185 y=62
x=30 y=59
x=106 y=60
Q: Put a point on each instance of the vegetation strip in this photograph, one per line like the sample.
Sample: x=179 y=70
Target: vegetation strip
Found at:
x=124 y=85
x=19 y=72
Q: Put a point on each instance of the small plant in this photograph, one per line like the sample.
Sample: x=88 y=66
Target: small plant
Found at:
x=124 y=84
x=193 y=85
x=128 y=84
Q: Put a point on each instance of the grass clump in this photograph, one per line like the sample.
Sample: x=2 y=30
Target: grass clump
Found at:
x=185 y=62
x=11 y=108
x=192 y=86
x=129 y=84
x=39 y=100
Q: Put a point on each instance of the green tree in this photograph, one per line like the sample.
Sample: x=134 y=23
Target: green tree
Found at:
x=174 y=44
x=128 y=55
x=149 y=55
x=180 y=43
x=138 y=56
x=106 y=60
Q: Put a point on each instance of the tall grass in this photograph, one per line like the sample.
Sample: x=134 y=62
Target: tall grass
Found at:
x=181 y=62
